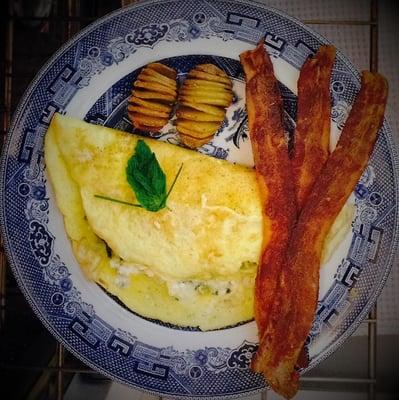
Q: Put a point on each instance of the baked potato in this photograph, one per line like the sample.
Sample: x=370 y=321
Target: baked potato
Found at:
x=153 y=96
x=202 y=102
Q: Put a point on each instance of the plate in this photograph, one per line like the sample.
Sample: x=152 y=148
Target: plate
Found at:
x=90 y=78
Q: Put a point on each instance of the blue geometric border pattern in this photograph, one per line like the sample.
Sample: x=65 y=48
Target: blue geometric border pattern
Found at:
x=45 y=279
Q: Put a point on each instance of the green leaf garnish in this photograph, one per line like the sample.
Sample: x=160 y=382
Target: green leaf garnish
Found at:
x=147 y=179
x=98 y=196
x=145 y=176
x=174 y=181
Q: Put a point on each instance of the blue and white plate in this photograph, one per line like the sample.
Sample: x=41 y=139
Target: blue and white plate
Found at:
x=90 y=78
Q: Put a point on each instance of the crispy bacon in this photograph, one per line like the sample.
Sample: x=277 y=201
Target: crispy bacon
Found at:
x=294 y=308
x=273 y=171
x=312 y=134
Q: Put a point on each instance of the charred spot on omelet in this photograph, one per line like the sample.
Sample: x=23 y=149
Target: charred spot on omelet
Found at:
x=207 y=289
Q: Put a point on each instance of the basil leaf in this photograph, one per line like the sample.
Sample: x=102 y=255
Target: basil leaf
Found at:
x=145 y=176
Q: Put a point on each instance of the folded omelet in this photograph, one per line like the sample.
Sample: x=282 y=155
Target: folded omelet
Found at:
x=190 y=264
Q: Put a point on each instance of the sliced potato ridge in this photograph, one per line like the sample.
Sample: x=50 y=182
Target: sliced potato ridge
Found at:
x=203 y=99
x=195 y=83
x=209 y=77
x=202 y=128
x=153 y=96
x=193 y=142
x=163 y=70
x=206 y=108
x=147 y=111
x=154 y=86
x=195 y=115
x=149 y=104
x=148 y=120
x=150 y=75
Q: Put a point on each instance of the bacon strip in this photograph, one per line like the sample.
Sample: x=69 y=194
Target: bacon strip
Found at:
x=273 y=171
x=294 y=308
x=312 y=135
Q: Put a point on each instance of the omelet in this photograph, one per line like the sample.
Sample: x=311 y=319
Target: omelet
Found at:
x=192 y=263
